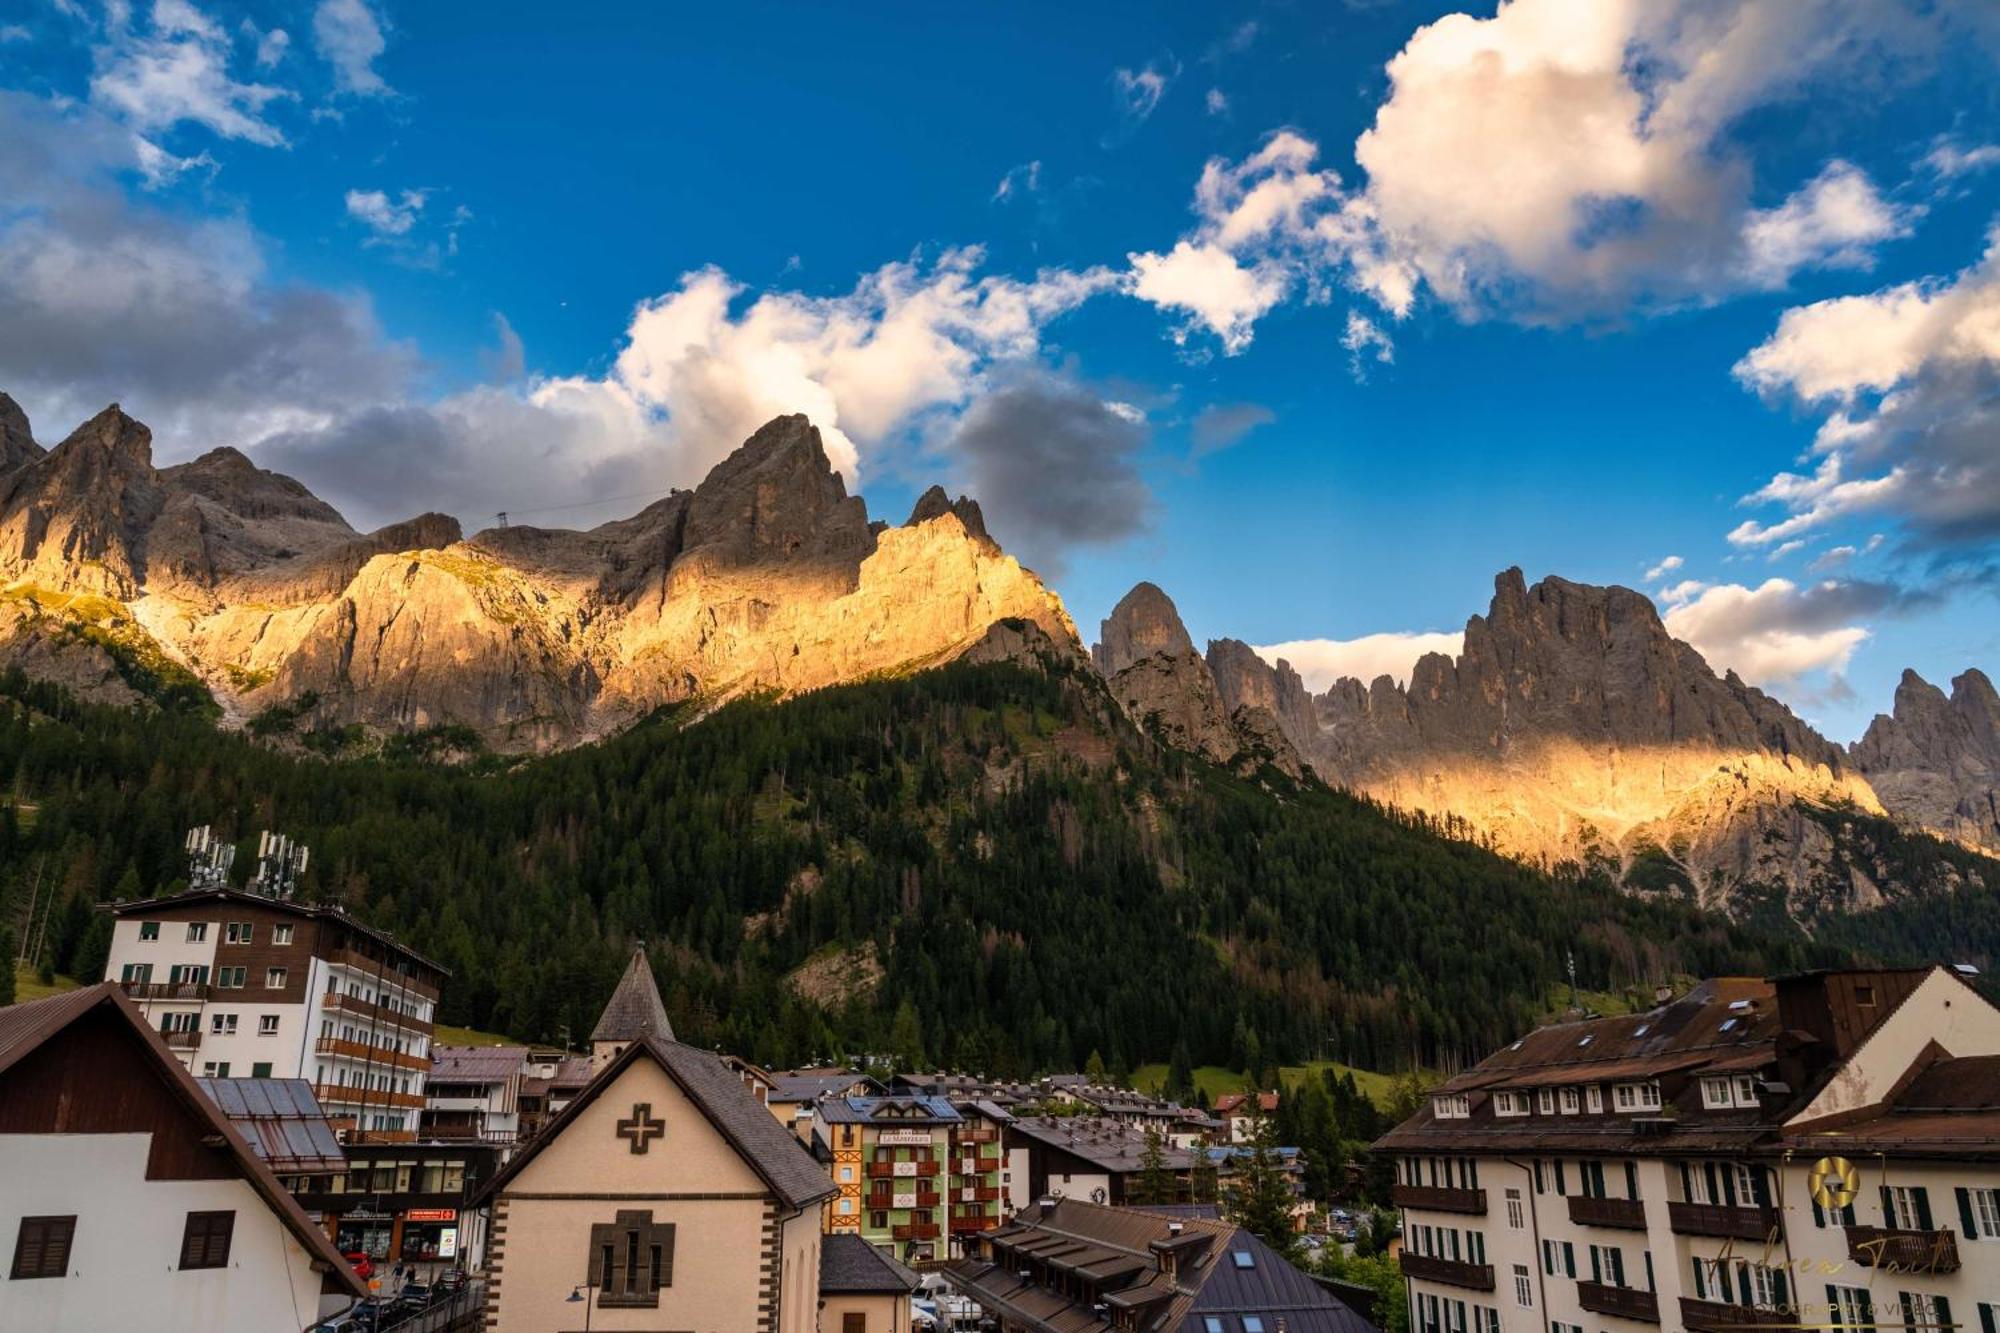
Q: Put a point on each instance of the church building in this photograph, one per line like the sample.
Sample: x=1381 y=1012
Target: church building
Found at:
x=665 y=1196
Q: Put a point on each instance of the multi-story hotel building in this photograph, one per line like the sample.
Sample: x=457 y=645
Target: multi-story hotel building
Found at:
x=240 y=985
x=1817 y=1150
x=912 y=1174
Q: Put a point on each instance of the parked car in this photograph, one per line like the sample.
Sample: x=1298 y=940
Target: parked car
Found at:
x=363 y=1266
x=415 y=1296
x=450 y=1282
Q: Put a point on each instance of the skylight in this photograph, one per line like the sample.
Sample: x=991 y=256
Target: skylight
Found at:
x=1640 y=1031
x=1584 y=1042
x=1243 y=1258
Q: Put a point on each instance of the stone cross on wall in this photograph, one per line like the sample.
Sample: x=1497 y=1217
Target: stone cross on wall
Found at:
x=642 y=1128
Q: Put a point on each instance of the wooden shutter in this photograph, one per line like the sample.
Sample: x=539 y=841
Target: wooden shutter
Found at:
x=1832 y=1304
x=854 y=1323
x=41 y=1248
x=1888 y=1207
x=1967 y=1222
x=205 y=1242
x=663 y=1236
x=1922 y=1195
x=1986 y=1319
x=1700 y=1282
x=1943 y=1305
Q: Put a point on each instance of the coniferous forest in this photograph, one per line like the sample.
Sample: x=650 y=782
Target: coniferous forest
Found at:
x=981 y=867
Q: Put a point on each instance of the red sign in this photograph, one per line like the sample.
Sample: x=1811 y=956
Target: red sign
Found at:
x=431 y=1215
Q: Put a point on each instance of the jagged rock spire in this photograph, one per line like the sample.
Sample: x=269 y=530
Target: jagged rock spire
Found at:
x=635 y=1009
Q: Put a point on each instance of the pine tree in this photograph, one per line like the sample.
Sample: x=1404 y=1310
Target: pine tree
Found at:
x=1262 y=1201
x=1180 y=1075
x=1156 y=1182
x=1093 y=1068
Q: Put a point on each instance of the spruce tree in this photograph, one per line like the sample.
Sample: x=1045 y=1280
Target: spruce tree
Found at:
x=1262 y=1202
x=1156 y=1182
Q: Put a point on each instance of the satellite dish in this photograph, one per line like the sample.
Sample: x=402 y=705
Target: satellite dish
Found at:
x=1097 y=1195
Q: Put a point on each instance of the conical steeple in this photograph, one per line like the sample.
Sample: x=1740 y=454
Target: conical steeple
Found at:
x=635 y=1010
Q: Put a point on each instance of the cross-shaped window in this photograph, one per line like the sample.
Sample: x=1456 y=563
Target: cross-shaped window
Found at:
x=642 y=1128
x=631 y=1259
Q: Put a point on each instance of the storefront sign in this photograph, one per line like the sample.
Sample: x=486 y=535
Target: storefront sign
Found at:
x=917 y=1138
x=431 y=1215
x=448 y=1243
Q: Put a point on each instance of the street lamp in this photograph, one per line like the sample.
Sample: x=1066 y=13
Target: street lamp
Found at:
x=577 y=1294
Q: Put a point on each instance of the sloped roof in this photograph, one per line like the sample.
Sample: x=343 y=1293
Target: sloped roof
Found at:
x=1950 y=1109
x=635 y=1009
x=333 y=912
x=850 y=1264
x=889 y=1111
x=769 y=1149
x=281 y=1120
x=476 y=1064
x=26 y=1028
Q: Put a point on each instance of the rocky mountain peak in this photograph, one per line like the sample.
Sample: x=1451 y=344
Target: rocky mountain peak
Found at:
x=17 y=441
x=111 y=433
x=1144 y=623
x=777 y=497
x=935 y=503
x=1935 y=760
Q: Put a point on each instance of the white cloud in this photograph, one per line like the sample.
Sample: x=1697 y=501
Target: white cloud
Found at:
x=1950 y=159
x=349 y=37
x=1217 y=102
x=1910 y=379
x=383 y=215
x=271 y=46
x=1321 y=662
x=1834 y=220
x=1777 y=632
x=1207 y=281
x=1139 y=91
x=1664 y=568
x=178 y=72
x=1685 y=590
x=1024 y=179
x=1363 y=338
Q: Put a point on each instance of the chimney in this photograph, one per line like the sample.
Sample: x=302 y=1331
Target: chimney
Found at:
x=1662 y=994
x=1175 y=1227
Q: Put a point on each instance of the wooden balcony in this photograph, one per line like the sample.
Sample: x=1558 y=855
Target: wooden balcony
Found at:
x=192 y=992
x=983 y=1166
x=980 y=1134
x=910 y=1170
x=381 y=973
x=335 y=1002
x=1439 y=1199
x=1624 y=1302
x=1624 y=1214
x=1897 y=1250
x=965 y=1224
x=1715 y=1219
x=921 y=1199
x=382 y=1098
x=1704 y=1316
x=1477 y=1277
x=378 y=1055
x=182 y=1041
x=915 y=1231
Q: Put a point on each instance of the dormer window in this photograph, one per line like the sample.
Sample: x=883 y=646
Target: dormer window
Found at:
x=1571 y=1103
x=1510 y=1103
x=1450 y=1106
x=1593 y=1099
x=1715 y=1094
x=1637 y=1096
x=1545 y=1102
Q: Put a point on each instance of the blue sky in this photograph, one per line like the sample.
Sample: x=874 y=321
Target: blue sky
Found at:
x=1315 y=315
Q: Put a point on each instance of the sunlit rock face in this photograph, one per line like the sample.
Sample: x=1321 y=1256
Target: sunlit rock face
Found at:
x=1573 y=728
x=767 y=576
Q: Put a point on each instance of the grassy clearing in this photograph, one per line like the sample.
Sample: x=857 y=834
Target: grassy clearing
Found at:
x=27 y=986
x=1215 y=1081
x=445 y=1035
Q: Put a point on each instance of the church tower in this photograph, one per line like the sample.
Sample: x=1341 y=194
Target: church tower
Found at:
x=634 y=1011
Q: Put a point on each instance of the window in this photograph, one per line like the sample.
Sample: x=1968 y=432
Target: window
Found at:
x=1450 y=1106
x=238 y=932
x=631 y=1259
x=1715 y=1094
x=1908 y=1207
x=1864 y=996
x=1243 y=1258
x=274 y=978
x=1524 y=1287
x=149 y=930
x=1571 y=1103
x=1637 y=1096
x=1607 y=1265
x=854 y=1322
x=187 y=974
x=1921 y=1310
x=1979 y=1210
x=1253 y=1323
x=1210 y=1324
x=1746 y=1091
x=1593 y=1099
x=222 y=1025
x=267 y=1025
x=1545 y=1102
x=205 y=1243
x=232 y=978
x=281 y=934
x=1514 y=1217
x=136 y=974
x=1510 y=1103
x=197 y=932
x=1852 y=1305
x=261 y=1069
x=41 y=1248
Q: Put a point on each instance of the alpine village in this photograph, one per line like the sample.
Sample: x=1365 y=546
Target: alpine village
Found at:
x=498 y=835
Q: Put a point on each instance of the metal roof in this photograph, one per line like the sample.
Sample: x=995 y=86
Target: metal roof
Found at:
x=476 y=1064
x=281 y=1120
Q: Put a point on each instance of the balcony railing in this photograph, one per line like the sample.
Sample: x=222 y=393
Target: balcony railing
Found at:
x=1479 y=1277
x=351 y=1095
x=982 y=1134
x=1704 y=1316
x=915 y=1231
x=1900 y=1250
x=379 y=1055
x=381 y=973
x=979 y=1166
x=1439 y=1198
x=374 y=1013
x=1624 y=1302
x=960 y=1224
x=917 y=1199
x=1626 y=1214
x=192 y=991
x=889 y=1170
x=182 y=1041
x=470 y=1133
x=1715 y=1219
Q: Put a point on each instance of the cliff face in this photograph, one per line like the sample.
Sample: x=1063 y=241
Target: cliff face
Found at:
x=767 y=576
x=1573 y=727
x=1936 y=760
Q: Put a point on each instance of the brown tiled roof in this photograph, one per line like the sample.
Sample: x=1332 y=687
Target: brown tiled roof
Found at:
x=1951 y=1109
x=476 y=1064
x=26 y=1028
x=766 y=1146
x=333 y=912
x=635 y=1009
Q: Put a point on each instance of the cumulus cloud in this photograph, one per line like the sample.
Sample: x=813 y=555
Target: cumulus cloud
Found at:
x=1321 y=662
x=1837 y=219
x=1222 y=425
x=1054 y=465
x=1215 y=290
x=384 y=215
x=176 y=71
x=1779 y=631
x=1664 y=568
x=349 y=38
x=1909 y=379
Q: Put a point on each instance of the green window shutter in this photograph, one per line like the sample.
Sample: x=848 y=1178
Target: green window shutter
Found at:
x=1728 y=1187
x=1743 y=1282
x=1888 y=1208
x=1700 y=1283
x=1539 y=1188
x=1687 y=1183
x=1779 y=1287
x=1832 y=1304
x=1562 y=1182
x=1596 y=1267
x=1819 y=1215
x=1943 y=1311
x=1909 y=1310
x=1969 y=1226
x=1986 y=1319
x=1923 y=1197
x=1760 y=1185
x=1569 y=1259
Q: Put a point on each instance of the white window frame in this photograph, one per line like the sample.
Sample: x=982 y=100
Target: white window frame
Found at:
x=1853 y=1305
x=1509 y=1103
x=1571 y=1103
x=197 y=931
x=1746 y=1091
x=1524 y=1287
x=1545 y=1101
x=1715 y=1093
x=281 y=934
x=1985 y=1212
x=1516 y=1219
x=222 y=1025
x=267 y=1025
x=148 y=931
x=280 y=975
x=1450 y=1106
x=1903 y=1214
x=1593 y=1099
